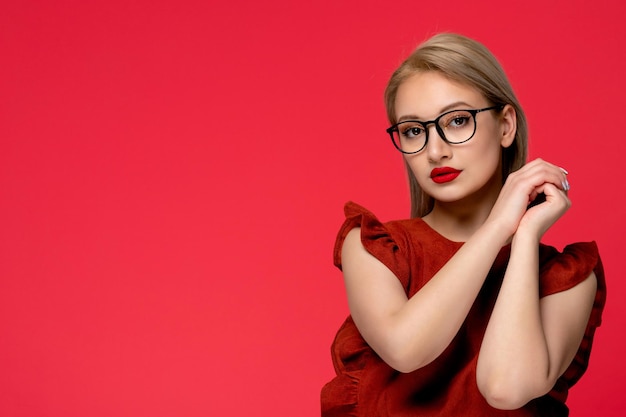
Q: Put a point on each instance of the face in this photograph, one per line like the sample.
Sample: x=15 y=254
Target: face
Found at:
x=465 y=172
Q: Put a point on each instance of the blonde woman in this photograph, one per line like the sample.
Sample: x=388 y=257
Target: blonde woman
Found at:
x=461 y=310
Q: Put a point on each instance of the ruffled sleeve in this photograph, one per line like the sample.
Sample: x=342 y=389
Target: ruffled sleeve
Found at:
x=562 y=271
x=386 y=242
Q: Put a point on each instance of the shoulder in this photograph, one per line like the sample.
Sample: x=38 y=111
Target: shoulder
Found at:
x=393 y=243
x=561 y=270
x=395 y=234
x=577 y=269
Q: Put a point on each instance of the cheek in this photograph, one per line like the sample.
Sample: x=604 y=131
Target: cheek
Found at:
x=484 y=158
x=418 y=170
x=416 y=164
x=490 y=146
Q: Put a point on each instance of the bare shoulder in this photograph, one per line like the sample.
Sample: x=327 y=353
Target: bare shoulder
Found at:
x=565 y=318
x=372 y=288
x=359 y=264
x=584 y=291
x=352 y=243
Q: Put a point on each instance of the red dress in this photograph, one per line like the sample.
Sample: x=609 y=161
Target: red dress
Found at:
x=368 y=387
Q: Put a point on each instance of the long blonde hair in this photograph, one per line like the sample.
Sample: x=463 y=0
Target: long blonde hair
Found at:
x=466 y=61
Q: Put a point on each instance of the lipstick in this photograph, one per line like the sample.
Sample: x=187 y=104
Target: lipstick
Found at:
x=444 y=174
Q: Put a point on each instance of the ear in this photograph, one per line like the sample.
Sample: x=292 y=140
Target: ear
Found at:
x=508 y=123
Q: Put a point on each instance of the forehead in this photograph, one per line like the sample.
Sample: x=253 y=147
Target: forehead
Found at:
x=427 y=94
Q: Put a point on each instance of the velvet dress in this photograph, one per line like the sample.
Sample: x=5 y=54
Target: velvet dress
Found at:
x=366 y=386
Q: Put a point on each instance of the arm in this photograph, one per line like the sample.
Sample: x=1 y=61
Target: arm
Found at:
x=410 y=333
x=530 y=342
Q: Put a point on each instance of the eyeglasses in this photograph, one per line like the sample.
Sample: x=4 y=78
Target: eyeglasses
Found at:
x=454 y=127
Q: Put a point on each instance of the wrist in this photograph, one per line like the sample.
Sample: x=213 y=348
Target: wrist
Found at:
x=496 y=232
x=526 y=236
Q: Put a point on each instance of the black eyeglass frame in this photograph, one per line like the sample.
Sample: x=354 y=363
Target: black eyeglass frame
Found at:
x=473 y=112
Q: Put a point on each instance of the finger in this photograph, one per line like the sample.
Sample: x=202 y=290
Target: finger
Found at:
x=554 y=174
x=554 y=195
x=565 y=183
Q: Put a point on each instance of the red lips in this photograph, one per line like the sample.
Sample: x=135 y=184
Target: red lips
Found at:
x=444 y=174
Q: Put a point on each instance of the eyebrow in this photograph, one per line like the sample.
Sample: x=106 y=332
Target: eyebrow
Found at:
x=441 y=111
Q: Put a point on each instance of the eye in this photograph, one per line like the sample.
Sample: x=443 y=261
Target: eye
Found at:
x=411 y=130
x=457 y=120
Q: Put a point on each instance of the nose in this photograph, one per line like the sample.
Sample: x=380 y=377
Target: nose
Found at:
x=437 y=148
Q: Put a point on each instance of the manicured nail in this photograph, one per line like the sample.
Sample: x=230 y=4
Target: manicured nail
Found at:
x=565 y=185
x=564 y=170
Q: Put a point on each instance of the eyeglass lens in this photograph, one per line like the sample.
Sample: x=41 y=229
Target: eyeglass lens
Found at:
x=456 y=126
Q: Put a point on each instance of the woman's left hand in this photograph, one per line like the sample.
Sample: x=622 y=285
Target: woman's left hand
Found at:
x=540 y=217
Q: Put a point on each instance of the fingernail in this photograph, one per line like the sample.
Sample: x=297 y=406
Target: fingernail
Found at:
x=565 y=185
x=564 y=170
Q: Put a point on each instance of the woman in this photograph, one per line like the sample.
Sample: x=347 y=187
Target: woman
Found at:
x=461 y=310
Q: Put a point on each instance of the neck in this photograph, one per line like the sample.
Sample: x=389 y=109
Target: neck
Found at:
x=455 y=221
x=459 y=220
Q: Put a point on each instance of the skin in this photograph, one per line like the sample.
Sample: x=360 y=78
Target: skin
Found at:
x=529 y=341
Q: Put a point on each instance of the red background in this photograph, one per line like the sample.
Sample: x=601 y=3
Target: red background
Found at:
x=172 y=176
